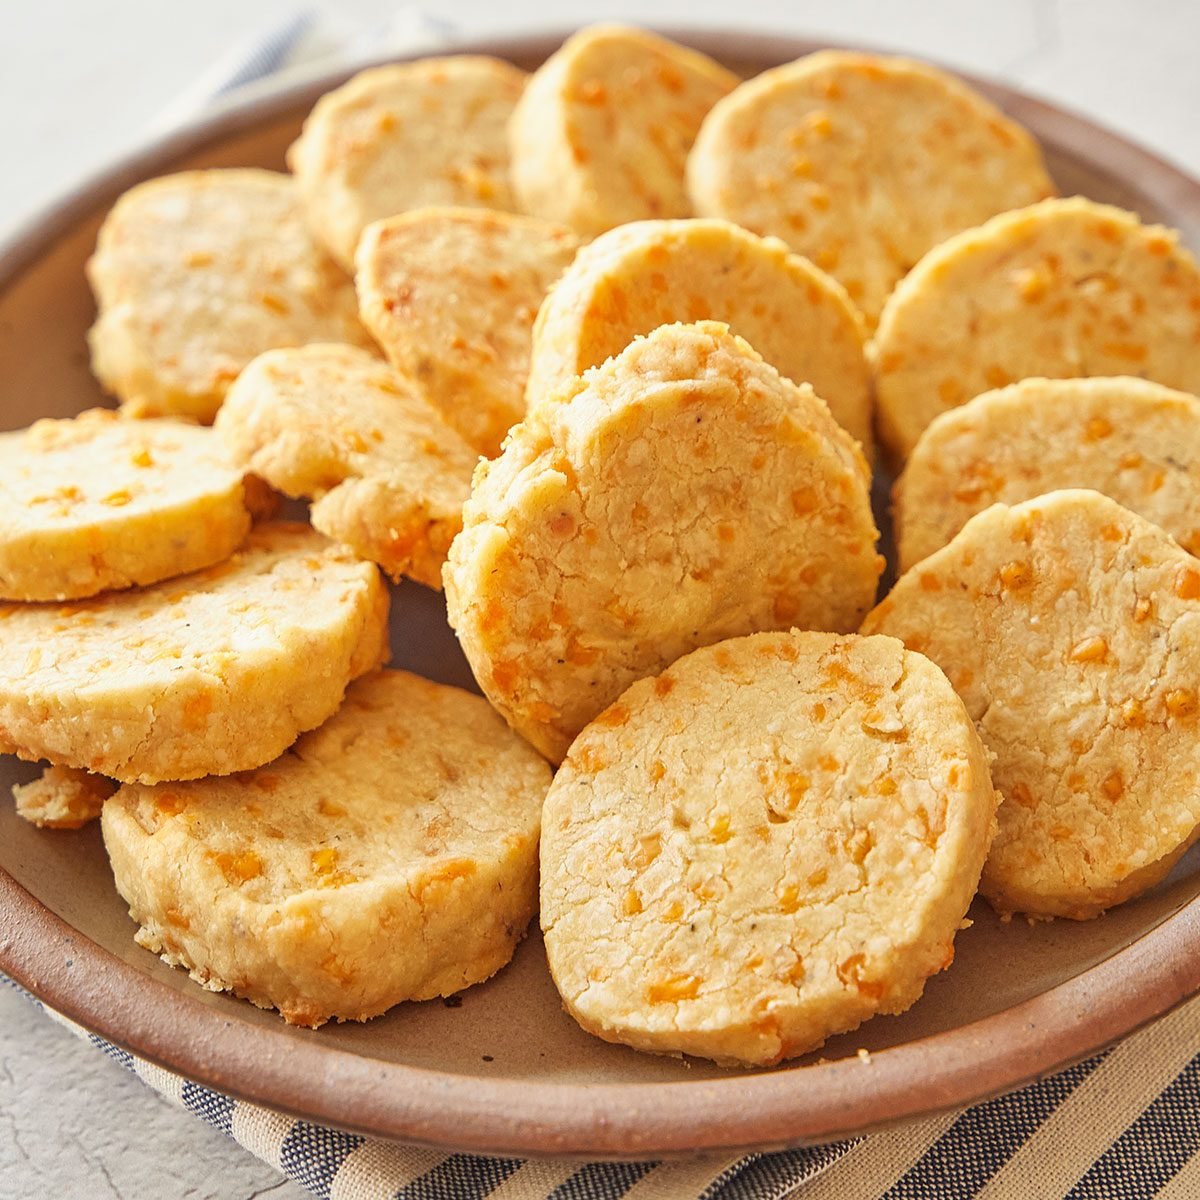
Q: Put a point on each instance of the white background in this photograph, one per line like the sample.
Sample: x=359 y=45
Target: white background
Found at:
x=82 y=80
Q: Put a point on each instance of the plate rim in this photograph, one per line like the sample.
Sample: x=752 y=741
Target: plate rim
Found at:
x=800 y=1105
x=735 y=1113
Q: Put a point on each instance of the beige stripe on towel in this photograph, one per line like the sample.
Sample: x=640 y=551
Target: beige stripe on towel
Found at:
x=1099 y=1110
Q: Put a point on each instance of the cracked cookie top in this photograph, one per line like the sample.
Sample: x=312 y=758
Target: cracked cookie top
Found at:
x=387 y=476
x=401 y=136
x=633 y=279
x=770 y=842
x=96 y=503
x=205 y=674
x=1062 y=289
x=602 y=133
x=389 y=855
x=197 y=273
x=682 y=493
x=451 y=295
x=1136 y=441
x=862 y=163
x=1071 y=629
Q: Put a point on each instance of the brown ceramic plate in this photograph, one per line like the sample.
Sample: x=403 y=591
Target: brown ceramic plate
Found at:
x=508 y=1071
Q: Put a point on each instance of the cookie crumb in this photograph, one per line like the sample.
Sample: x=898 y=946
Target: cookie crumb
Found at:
x=62 y=798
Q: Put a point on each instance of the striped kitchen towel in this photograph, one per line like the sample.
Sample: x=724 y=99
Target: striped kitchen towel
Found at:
x=303 y=46
x=1123 y=1125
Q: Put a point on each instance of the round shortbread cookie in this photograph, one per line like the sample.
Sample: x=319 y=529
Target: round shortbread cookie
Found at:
x=96 y=503
x=451 y=296
x=1071 y=629
x=634 y=279
x=62 y=798
x=768 y=844
x=388 y=477
x=680 y=494
x=195 y=274
x=210 y=673
x=404 y=136
x=1135 y=441
x=1063 y=289
x=862 y=163
x=389 y=855
x=602 y=133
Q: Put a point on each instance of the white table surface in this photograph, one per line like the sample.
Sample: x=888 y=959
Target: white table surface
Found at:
x=81 y=80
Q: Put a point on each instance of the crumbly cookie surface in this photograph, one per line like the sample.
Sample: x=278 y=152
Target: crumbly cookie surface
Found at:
x=387 y=476
x=1063 y=289
x=861 y=162
x=197 y=273
x=62 y=798
x=602 y=133
x=389 y=855
x=650 y=273
x=96 y=503
x=1071 y=629
x=772 y=841
x=1135 y=441
x=403 y=136
x=451 y=296
x=210 y=673
x=680 y=494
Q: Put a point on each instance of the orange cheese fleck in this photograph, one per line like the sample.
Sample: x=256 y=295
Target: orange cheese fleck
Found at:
x=1187 y=584
x=672 y=989
x=1091 y=649
x=239 y=868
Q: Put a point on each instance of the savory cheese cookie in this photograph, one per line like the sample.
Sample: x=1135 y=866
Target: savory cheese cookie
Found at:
x=333 y=424
x=1065 y=288
x=62 y=798
x=451 y=294
x=774 y=840
x=863 y=163
x=1071 y=629
x=1135 y=441
x=210 y=673
x=403 y=136
x=602 y=133
x=96 y=503
x=650 y=273
x=389 y=855
x=680 y=494
x=195 y=274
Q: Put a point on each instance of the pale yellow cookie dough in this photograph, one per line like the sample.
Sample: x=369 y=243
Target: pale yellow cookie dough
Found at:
x=197 y=273
x=387 y=476
x=1063 y=289
x=210 y=673
x=650 y=273
x=680 y=494
x=862 y=163
x=768 y=844
x=389 y=855
x=1071 y=629
x=602 y=133
x=451 y=295
x=404 y=136
x=96 y=503
x=62 y=798
x=1135 y=441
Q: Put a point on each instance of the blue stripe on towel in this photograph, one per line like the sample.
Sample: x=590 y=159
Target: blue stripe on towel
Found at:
x=1153 y=1149
x=984 y=1138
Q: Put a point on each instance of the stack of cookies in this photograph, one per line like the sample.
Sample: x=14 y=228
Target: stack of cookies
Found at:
x=624 y=343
